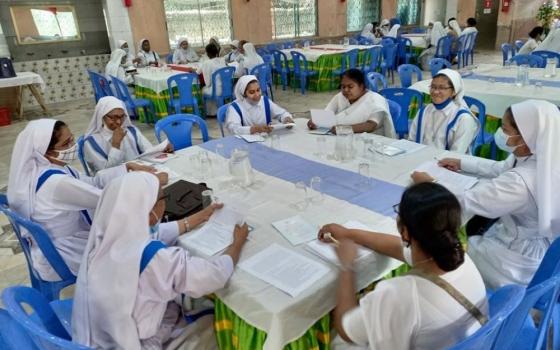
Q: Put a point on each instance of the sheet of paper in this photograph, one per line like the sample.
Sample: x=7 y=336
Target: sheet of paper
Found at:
x=296 y=230
x=280 y=126
x=285 y=269
x=323 y=118
x=327 y=251
x=156 y=149
x=320 y=131
x=251 y=138
x=159 y=158
x=454 y=182
x=217 y=234
x=407 y=146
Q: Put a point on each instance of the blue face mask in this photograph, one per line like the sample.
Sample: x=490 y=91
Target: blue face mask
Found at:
x=440 y=106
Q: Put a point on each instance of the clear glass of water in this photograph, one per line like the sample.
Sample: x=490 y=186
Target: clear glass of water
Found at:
x=274 y=141
x=363 y=169
x=315 y=195
x=321 y=144
x=220 y=150
x=301 y=196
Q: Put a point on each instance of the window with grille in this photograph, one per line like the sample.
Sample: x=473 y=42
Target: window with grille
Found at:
x=360 y=12
x=408 y=11
x=293 y=18
x=198 y=21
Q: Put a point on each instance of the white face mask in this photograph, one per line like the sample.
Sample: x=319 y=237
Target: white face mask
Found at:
x=68 y=155
x=501 y=139
x=407 y=252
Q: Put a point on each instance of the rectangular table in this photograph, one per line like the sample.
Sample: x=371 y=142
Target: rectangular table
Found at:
x=418 y=40
x=29 y=80
x=283 y=318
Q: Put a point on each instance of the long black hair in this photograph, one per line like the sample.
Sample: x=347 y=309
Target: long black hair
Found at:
x=56 y=134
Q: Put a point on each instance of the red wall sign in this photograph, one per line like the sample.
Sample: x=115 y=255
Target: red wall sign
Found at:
x=487 y=4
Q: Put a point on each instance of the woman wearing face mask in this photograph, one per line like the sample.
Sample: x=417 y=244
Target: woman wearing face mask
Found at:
x=252 y=113
x=43 y=187
x=184 y=53
x=446 y=123
x=355 y=105
x=520 y=194
x=128 y=282
x=535 y=37
x=146 y=56
x=412 y=311
x=111 y=139
x=130 y=59
x=115 y=67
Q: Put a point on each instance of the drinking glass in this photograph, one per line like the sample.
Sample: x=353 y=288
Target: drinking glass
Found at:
x=207 y=198
x=363 y=169
x=301 y=196
x=315 y=195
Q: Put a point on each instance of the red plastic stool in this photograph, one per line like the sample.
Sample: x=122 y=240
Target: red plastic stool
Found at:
x=5 y=116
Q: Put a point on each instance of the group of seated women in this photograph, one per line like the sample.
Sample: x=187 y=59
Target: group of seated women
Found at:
x=102 y=225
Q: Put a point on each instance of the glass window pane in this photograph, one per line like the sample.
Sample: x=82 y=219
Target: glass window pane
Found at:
x=293 y=18
x=408 y=11
x=198 y=20
x=360 y=12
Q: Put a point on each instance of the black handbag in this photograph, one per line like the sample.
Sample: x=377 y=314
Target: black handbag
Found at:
x=183 y=199
x=6 y=68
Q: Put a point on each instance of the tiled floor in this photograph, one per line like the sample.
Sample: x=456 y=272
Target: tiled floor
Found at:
x=77 y=114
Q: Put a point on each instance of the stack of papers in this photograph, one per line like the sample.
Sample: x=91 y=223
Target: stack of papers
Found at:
x=323 y=118
x=251 y=138
x=281 y=126
x=296 y=230
x=285 y=269
x=400 y=147
x=454 y=182
x=217 y=234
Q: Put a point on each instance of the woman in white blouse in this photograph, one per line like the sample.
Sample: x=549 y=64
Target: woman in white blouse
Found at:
x=446 y=123
x=128 y=282
x=251 y=112
x=355 y=105
x=535 y=37
x=412 y=311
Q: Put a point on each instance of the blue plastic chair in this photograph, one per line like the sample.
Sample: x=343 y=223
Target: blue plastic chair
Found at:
x=395 y=110
x=502 y=303
x=12 y=335
x=482 y=138
x=169 y=58
x=288 y=45
x=518 y=45
x=221 y=117
x=3 y=200
x=405 y=74
x=372 y=59
x=387 y=40
x=51 y=290
x=546 y=55
x=404 y=97
x=373 y=79
x=269 y=61
x=471 y=45
x=418 y=30
x=348 y=61
x=272 y=46
x=184 y=83
x=443 y=48
x=463 y=42
x=225 y=75
x=354 y=41
x=518 y=330
x=508 y=51
x=301 y=70
x=364 y=41
x=262 y=71
x=262 y=51
x=405 y=50
x=532 y=60
x=388 y=65
x=281 y=67
x=43 y=326
x=437 y=64
x=132 y=104
x=100 y=84
x=178 y=128
x=80 y=144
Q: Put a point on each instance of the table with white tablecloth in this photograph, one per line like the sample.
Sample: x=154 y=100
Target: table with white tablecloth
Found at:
x=418 y=40
x=31 y=81
x=271 y=197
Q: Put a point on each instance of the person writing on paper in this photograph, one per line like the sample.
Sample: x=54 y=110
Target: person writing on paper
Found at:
x=355 y=105
x=43 y=187
x=535 y=37
x=146 y=56
x=184 y=53
x=111 y=139
x=251 y=112
x=411 y=311
x=446 y=123
x=128 y=282
x=115 y=67
x=519 y=196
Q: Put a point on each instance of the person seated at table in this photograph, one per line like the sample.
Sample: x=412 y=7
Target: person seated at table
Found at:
x=471 y=27
x=130 y=60
x=355 y=105
x=184 y=53
x=551 y=42
x=128 y=283
x=115 y=67
x=367 y=32
x=432 y=37
x=234 y=54
x=394 y=32
x=411 y=311
x=516 y=209
x=146 y=55
x=535 y=37
x=207 y=68
x=453 y=27
x=252 y=113
x=43 y=187
x=385 y=26
x=446 y=123
x=111 y=139
x=250 y=60
x=216 y=42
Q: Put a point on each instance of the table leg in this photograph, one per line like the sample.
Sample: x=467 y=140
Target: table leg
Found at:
x=19 y=101
x=39 y=98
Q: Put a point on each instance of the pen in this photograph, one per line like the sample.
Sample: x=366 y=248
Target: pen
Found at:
x=334 y=240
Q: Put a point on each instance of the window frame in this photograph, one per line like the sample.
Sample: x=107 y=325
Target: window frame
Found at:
x=296 y=26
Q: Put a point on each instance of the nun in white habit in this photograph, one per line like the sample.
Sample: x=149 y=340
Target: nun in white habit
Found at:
x=385 y=26
x=251 y=112
x=454 y=28
x=394 y=32
x=121 y=303
x=130 y=60
x=446 y=123
x=115 y=67
x=251 y=59
x=184 y=53
x=43 y=187
x=367 y=32
x=111 y=139
x=436 y=33
x=551 y=42
x=146 y=56
x=521 y=191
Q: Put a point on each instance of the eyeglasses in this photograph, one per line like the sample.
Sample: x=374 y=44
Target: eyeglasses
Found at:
x=440 y=88
x=396 y=208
